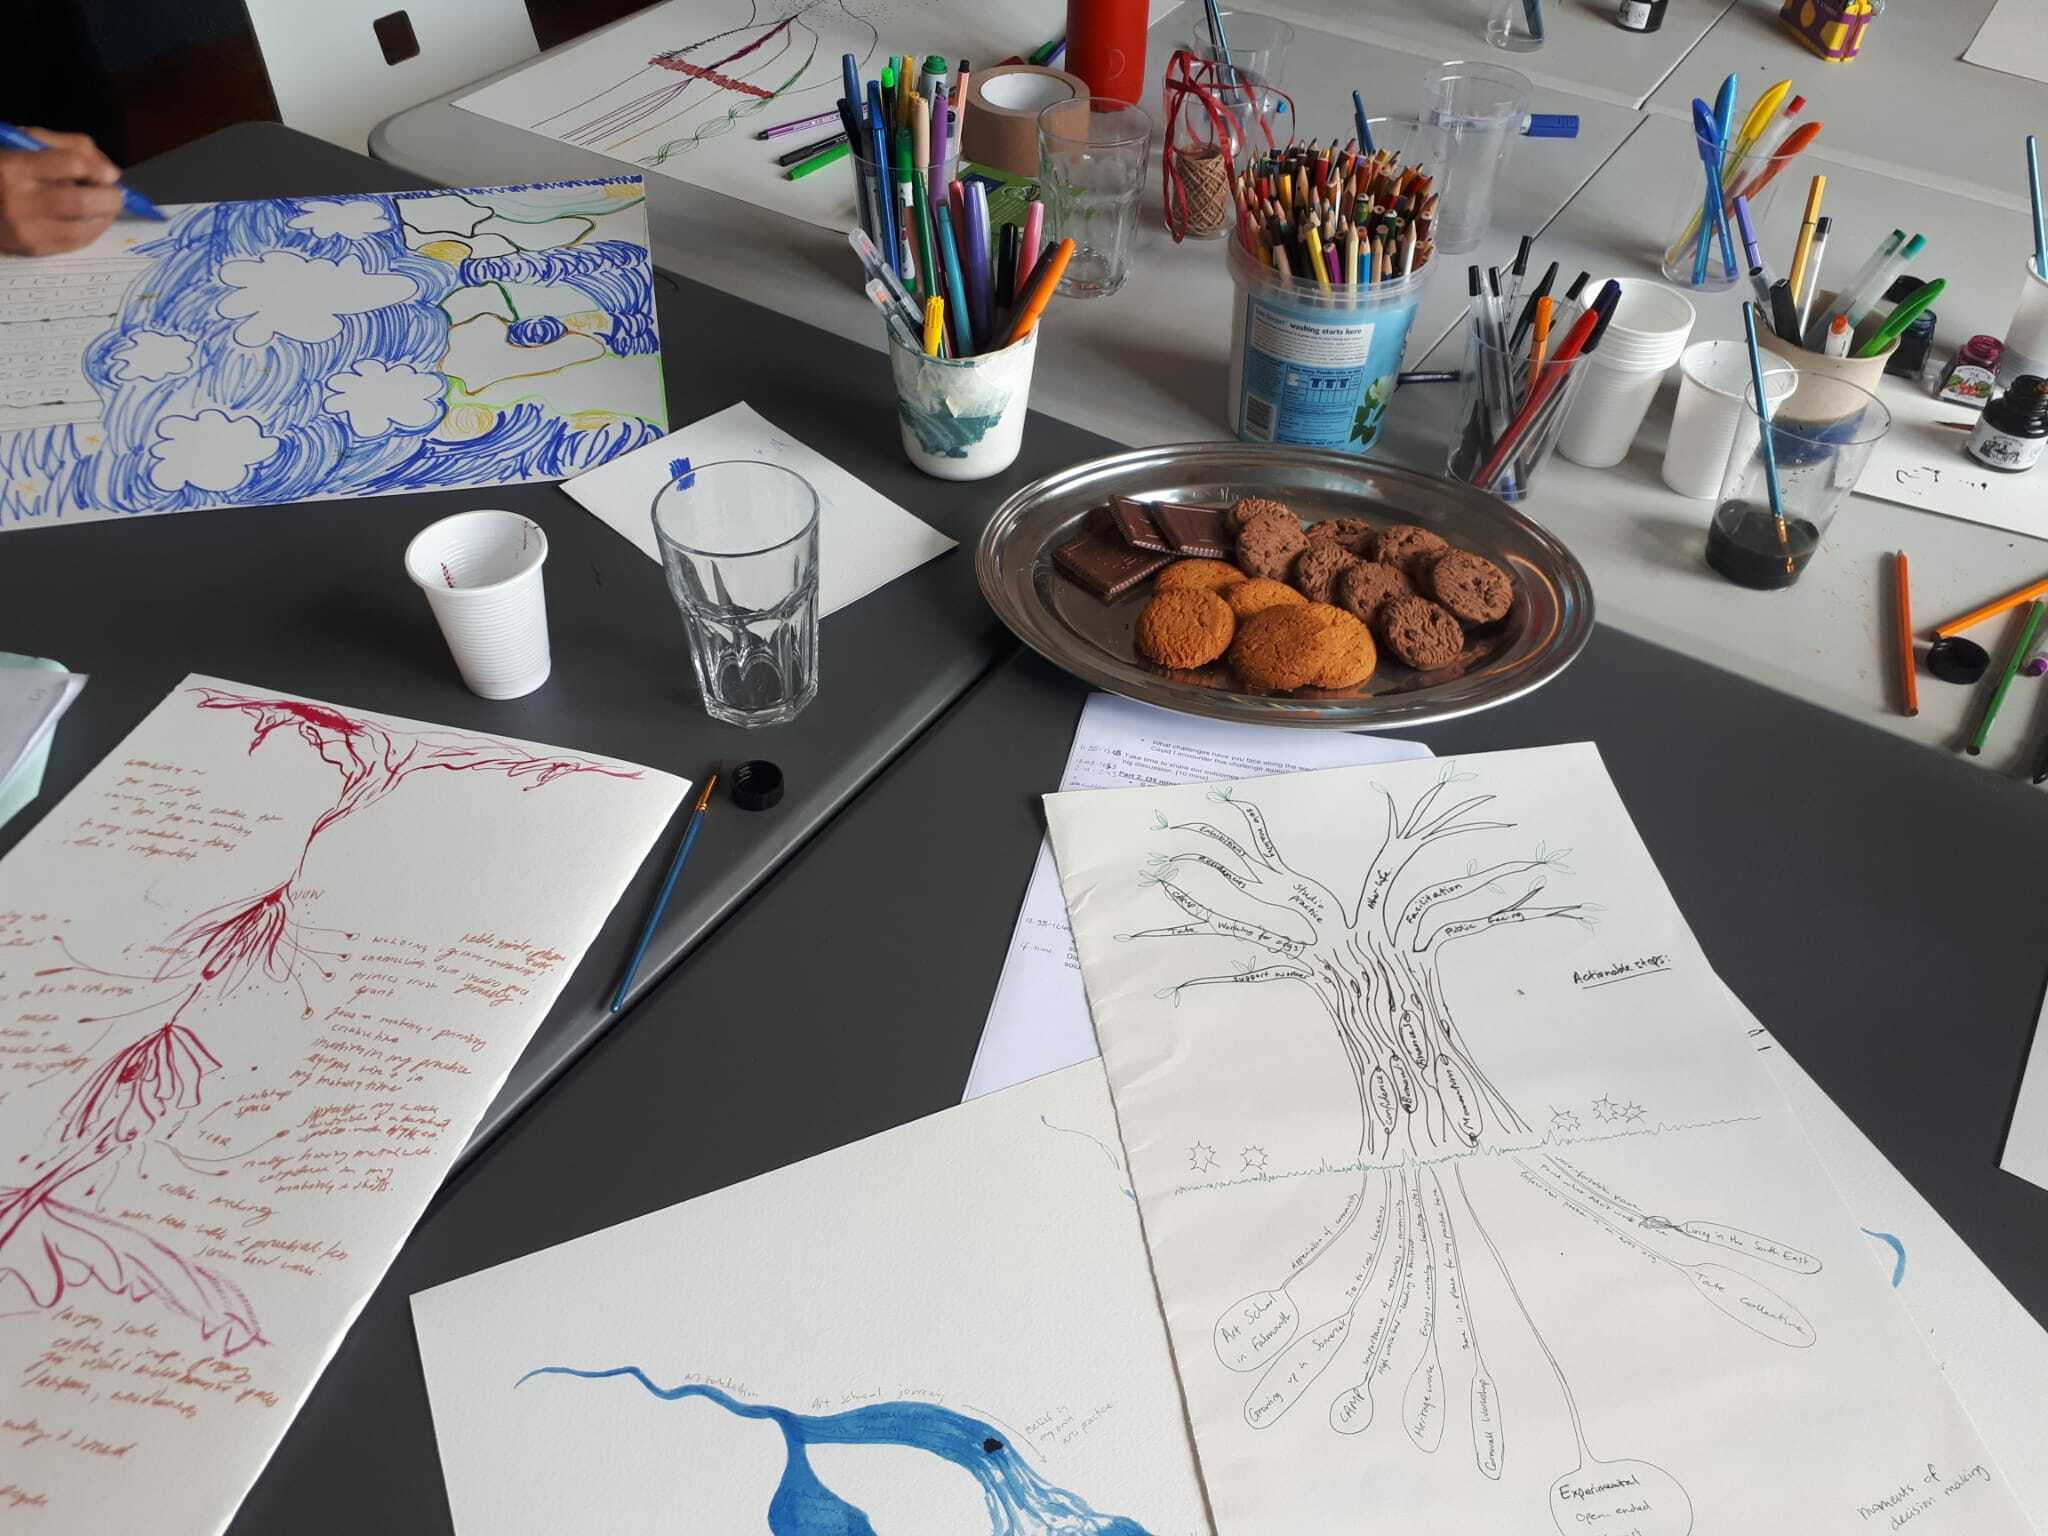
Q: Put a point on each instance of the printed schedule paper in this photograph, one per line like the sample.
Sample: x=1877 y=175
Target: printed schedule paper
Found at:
x=1039 y=1019
x=260 y=973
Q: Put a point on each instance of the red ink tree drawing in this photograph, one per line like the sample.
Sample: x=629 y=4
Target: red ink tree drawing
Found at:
x=48 y=1244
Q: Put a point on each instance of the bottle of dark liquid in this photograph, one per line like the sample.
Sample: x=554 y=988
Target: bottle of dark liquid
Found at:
x=1752 y=548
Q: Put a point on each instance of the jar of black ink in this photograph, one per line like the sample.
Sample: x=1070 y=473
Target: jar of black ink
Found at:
x=2011 y=433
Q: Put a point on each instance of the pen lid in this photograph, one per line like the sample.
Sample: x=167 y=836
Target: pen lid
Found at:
x=1552 y=125
x=756 y=785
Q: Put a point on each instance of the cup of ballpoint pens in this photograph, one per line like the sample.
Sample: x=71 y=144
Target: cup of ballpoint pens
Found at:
x=1524 y=364
x=1702 y=251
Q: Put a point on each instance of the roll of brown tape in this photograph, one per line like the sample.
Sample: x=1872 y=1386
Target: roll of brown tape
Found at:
x=1001 y=126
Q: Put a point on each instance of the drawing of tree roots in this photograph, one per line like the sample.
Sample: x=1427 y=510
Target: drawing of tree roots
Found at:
x=1401 y=1296
x=141 y=1094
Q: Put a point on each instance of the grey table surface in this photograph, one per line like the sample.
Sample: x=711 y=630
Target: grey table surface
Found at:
x=826 y=1011
x=313 y=600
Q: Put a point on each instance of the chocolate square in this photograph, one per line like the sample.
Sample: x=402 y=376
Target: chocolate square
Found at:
x=1133 y=519
x=1103 y=563
x=1197 y=532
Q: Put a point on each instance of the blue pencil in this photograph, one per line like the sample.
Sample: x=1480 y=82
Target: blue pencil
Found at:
x=885 y=201
x=668 y=886
x=133 y=203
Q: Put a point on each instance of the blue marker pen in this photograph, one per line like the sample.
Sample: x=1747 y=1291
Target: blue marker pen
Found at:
x=133 y=203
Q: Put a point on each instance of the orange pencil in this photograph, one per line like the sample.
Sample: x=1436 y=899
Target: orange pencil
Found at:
x=1902 y=599
x=1992 y=610
x=1033 y=304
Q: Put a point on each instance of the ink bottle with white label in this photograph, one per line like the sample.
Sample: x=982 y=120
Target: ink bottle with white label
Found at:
x=2013 y=430
x=1640 y=15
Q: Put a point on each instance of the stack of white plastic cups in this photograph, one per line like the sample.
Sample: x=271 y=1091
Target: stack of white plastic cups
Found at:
x=481 y=574
x=1713 y=386
x=1648 y=332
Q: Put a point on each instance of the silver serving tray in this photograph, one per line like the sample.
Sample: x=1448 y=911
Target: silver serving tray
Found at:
x=1067 y=625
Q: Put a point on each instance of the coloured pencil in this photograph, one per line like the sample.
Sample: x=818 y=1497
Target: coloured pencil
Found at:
x=668 y=886
x=1902 y=607
x=2006 y=674
x=1992 y=609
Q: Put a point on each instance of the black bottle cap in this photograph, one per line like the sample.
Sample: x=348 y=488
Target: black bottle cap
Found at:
x=1956 y=660
x=758 y=785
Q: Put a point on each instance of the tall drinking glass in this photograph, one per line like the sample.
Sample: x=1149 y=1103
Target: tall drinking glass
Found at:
x=1091 y=168
x=739 y=540
x=1475 y=112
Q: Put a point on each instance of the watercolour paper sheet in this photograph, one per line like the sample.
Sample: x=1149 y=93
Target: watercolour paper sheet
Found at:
x=2011 y=41
x=1039 y=1020
x=1923 y=462
x=681 y=89
x=1465 y=1192
x=865 y=540
x=298 y=349
x=948 y=1329
x=260 y=974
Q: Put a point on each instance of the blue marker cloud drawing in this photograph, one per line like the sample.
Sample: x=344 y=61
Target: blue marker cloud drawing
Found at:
x=309 y=348
x=1019 y=1501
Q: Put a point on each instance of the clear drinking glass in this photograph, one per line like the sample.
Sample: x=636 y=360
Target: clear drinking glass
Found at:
x=1495 y=387
x=739 y=540
x=1757 y=177
x=1091 y=168
x=1474 y=112
x=1516 y=25
x=1821 y=437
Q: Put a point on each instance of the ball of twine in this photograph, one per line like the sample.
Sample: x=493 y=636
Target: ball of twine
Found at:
x=1205 y=176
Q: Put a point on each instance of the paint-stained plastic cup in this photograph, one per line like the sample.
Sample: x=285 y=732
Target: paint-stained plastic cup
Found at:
x=963 y=417
x=481 y=572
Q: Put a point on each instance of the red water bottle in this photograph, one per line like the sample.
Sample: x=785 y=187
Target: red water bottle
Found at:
x=1106 y=47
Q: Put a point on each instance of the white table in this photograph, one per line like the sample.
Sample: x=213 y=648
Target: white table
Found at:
x=1822 y=639
x=1906 y=104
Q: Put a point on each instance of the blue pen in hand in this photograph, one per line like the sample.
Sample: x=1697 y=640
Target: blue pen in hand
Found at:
x=133 y=203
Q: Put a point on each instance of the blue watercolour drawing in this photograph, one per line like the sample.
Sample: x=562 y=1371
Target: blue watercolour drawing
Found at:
x=1898 y=1253
x=1019 y=1501
x=299 y=349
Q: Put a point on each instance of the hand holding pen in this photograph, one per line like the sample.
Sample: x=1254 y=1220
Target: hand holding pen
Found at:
x=59 y=193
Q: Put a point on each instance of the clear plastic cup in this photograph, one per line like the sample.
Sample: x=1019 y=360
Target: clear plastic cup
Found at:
x=481 y=573
x=1757 y=177
x=1474 y=111
x=1258 y=44
x=1713 y=380
x=1091 y=162
x=1516 y=25
x=739 y=541
x=1820 y=450
x=1492 y=391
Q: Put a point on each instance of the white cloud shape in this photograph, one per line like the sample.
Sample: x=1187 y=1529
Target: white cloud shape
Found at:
x=351 y=220
x=283 y=294
x=152 y=355
x=375 y=398
x=212 y=451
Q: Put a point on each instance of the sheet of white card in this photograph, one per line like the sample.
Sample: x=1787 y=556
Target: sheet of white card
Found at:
x=968 y=1292
x=864 y=539
x=260 y=973
x=1992 y=1351
x=1538 y=1246
x=1039 y=1019
x=1921 y=463
x=727 y=69
x=2011 y=41
x=2026 y=1143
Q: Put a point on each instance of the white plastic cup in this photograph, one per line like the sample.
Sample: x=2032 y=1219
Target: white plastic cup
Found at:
x=481 y=574
x=1713 y=377
x=963 y=417
x=1645 y=337
x=2026 y=339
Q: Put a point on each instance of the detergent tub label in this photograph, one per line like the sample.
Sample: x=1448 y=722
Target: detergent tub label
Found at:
x=1321 y=378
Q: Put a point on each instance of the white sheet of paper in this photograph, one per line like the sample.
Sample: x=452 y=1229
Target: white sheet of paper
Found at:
x=32 y=701
x=864 y=539
x=1920 y=463
x=2026 y=1144
x=2011 y=41
x=1039 y=1020
x=945 y=1321
x=1462 y=1184
x=680 y=89
x=404 y=341
x=260 y=973
x=1989 y=1346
